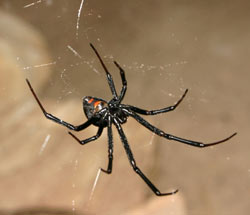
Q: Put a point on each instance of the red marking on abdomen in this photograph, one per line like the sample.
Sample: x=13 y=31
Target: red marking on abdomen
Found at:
x=97 y=103
x=90 y=101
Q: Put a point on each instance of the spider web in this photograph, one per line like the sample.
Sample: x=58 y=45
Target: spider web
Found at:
x=81 y=33
x=153 y=43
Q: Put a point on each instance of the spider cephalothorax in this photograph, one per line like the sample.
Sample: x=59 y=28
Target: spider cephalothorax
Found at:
x=98 y=108
x=103 y=114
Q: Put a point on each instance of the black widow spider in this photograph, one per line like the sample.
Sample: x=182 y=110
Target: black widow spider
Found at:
x=103 y=114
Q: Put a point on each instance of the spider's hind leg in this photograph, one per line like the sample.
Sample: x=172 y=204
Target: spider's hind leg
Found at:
x=124 y=82
x=82 y=142
x=109 y=76
x=54 y=118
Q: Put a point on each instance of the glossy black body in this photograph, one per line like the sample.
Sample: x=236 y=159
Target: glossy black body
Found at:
x=103 y=114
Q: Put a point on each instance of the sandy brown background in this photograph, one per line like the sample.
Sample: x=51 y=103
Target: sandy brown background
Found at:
x=165 y=47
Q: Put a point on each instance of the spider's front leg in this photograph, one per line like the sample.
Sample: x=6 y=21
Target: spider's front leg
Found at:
x=110 y=148
x=172 y=137
x=133 y=163
x=154 y=112
x=55 y=119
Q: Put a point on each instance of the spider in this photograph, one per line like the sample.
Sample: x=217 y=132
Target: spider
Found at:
x=103 y=114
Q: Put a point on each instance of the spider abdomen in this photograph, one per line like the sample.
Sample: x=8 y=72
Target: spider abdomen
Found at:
x=92 y=105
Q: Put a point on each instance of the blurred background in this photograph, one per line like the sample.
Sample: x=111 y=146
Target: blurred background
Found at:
x=164 y=47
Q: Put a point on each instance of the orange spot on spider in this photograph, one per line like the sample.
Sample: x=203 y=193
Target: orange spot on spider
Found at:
x=90 y=101
x=97 y=103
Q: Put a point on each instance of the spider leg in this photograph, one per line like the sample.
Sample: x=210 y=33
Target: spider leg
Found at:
x=82 y=142
x=57 y=120
x=109 y=77
x=172 y=137
x=154 y=112
x=133 y=163
x=110 y=148
x=124 y=82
